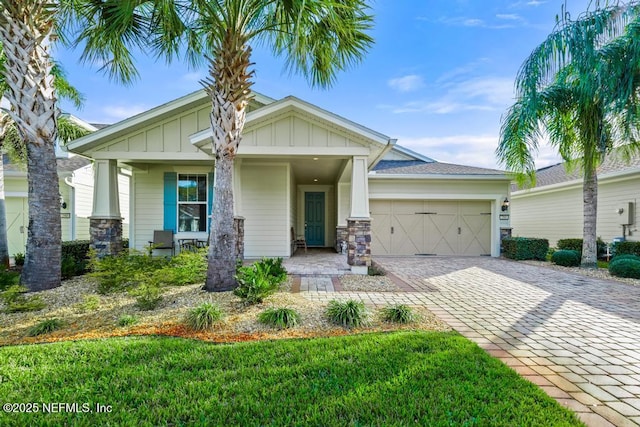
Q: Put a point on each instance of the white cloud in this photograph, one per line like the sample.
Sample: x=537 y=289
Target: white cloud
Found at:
x=509 y=17
x=475 y=94
x=475 y=22
x=408 y=83
x=121 y=112
x=471 y=150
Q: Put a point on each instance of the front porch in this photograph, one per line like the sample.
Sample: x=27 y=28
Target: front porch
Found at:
x=317 y=262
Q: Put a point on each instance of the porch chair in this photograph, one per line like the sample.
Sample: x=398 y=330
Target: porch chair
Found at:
x=298 y=241
x=162 y=239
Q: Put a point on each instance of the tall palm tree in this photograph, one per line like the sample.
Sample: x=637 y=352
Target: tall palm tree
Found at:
x=26 y=34
x=581 y=89
x=318 y=38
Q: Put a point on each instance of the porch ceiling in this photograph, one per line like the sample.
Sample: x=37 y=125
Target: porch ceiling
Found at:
x=307 y=171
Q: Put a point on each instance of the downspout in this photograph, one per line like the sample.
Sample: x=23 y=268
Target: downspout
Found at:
x=385 y=150
x=72 y=206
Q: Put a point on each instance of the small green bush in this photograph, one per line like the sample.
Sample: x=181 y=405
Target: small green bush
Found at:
x=566 y=258
x=16 y=300
x=259 y=280
x=124 y=271
x=375 y=270
x=18 y=259
x=70 y=267
x=89 y=303
x=148 y=296
x=399 y=313
x=185 y=268
x=281 y=318
x=625 y=268
x=8 y=279
x=626 y=248
x=349 y=313
x=45 y=327
x=127 y=320
x=520 y=248
x=204 y=316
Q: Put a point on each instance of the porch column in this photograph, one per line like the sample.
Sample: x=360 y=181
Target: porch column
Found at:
x=359 y=221
x=105 y=222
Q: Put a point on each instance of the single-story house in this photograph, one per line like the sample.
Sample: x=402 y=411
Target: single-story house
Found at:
x=75 y=175
x=553 y=208
x=299 y=168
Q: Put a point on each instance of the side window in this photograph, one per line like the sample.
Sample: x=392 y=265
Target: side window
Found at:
x=192 y=202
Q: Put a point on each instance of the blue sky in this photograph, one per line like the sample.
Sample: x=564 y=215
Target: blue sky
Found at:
x=438 y=79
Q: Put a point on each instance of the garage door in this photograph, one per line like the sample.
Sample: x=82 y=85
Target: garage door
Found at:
x=17 y=220
x=424 y=227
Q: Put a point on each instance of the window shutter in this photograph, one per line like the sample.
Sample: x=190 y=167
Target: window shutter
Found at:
x=210 y=195
x=170 y=200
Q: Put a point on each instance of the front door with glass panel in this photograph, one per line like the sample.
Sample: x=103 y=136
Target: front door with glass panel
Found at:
x=314 y=218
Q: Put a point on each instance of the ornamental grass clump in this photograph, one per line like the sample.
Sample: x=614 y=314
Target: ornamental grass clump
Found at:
x=399 y=313
x=16 y=301
x=204 y=316
x=281 y=318
x=127 y=320
x=566 y=258
x=348 y=313
x=45 y=327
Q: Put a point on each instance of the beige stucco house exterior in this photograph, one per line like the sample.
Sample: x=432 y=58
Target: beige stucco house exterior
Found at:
x=298 y=167
x=553 y=209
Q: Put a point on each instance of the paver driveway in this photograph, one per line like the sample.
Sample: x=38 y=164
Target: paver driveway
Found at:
x=576 y=337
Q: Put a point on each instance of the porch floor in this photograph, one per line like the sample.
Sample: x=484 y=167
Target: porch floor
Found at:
x=317 y=262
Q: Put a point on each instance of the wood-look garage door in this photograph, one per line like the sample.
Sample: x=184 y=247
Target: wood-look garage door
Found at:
x=423 y=227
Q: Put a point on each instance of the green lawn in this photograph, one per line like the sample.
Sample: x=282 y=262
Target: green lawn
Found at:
x=402 y=378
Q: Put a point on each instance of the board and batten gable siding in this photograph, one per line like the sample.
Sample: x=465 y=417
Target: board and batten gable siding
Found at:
x=295 y=130
x=265 y=204
x=170 y=135
x=558 y=214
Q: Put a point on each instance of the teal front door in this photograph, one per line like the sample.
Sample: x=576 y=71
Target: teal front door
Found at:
x=314 y=218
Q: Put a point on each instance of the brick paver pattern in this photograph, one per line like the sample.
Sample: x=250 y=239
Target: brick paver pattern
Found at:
x=576 y=337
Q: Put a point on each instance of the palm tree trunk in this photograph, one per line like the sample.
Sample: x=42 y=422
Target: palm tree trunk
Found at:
x=229 y=88
x=25 y=31
x=590 y=212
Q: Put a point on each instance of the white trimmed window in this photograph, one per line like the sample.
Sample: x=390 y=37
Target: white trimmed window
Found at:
x=192 y=202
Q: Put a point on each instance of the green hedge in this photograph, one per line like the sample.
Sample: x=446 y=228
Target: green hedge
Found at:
x=625 y=268
x=576 y=245
x=626 y=247
x=566 y=258
x=525 y=248
x=74 y=257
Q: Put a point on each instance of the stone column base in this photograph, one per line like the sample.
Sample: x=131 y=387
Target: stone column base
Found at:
x=238 y=226
x=359 y=240
x=106 y=235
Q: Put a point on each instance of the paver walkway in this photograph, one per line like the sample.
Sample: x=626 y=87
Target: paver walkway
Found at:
x=578 y=338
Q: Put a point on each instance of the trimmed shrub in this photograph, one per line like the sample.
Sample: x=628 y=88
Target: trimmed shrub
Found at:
x=520 y=248
x=627 y=248
x=566 y=258
x=625 y=268
x=624 y=257
x=204 y=316
x=259 y=280
x=185 y=268
x=18 y=258
x=398 y=314
x=576 y=245
x=348 y=313
x=148 y=296
x=281 y=318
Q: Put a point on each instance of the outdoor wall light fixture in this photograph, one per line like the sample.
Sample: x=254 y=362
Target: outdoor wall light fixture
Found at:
x=505 y=205
x=63 y=204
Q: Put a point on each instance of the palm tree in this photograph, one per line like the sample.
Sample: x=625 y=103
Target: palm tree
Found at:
x=318 y=38
x=579 y=88
x=26 y=34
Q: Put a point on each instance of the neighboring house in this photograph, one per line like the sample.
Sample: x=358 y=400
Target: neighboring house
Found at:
x=76 y=196
x=298 y=167
x=553 y=208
